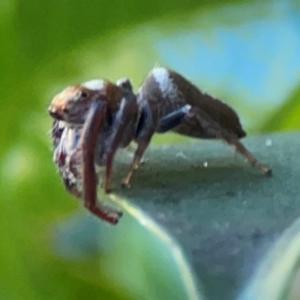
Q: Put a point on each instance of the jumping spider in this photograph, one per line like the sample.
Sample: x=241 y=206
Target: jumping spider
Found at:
x=92 y=120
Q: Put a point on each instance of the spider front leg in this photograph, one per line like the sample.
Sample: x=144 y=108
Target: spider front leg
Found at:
x=87 y=143
x=211 y=129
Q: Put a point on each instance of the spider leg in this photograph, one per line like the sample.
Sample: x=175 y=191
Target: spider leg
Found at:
x=128 y=109
x=87 y=142
x=142 y=146
x=173 y=119
x=213 y=129
x=145 y=132
x=143 y=135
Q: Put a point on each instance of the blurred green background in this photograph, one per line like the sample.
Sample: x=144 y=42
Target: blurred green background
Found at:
x=245 y=52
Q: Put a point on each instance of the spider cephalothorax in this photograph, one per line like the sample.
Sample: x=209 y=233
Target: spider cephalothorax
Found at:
x=94 y=119
x=87 y=130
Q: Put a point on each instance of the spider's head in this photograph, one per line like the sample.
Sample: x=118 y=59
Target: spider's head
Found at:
x=72 y=104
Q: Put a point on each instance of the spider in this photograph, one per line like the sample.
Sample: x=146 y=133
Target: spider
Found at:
x=93 y=119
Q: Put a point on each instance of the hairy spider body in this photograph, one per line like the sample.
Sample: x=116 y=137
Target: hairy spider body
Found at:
x=94 y=119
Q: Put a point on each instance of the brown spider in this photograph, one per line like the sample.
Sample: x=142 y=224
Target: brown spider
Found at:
x=92 y=120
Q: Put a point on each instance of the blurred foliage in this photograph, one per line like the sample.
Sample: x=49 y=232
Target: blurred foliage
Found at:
x=286 y=116
x=44 y=47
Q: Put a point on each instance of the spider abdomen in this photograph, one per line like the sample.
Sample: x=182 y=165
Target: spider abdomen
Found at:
x=165 y=91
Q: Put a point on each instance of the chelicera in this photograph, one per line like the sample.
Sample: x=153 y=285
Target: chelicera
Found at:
x=92 y=120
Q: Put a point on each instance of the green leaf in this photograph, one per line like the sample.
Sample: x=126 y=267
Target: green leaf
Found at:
x=223 y=213
x=158 y=267
x=278 y=277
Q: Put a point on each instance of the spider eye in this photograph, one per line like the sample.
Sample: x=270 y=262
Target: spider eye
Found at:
x=84 y=94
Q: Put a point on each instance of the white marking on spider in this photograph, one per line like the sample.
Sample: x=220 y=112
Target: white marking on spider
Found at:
x=166 y=84
x=95 y=84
